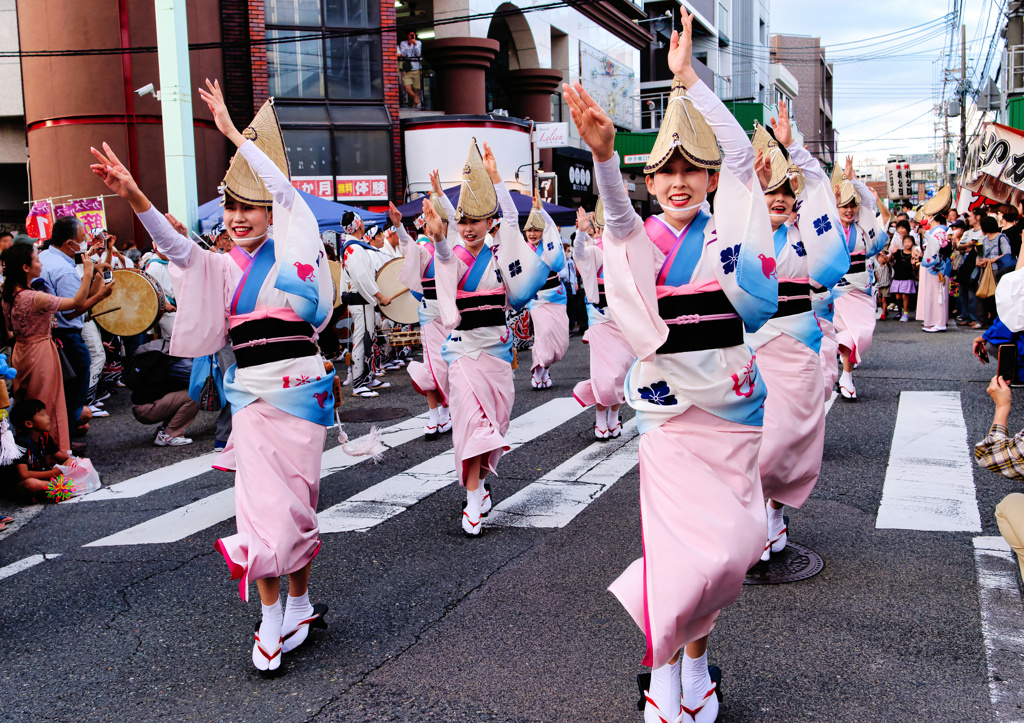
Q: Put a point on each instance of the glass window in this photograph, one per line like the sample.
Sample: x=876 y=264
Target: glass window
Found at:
x=309 y=152
x=354 y=69
x=294 y=70
x=353 y=13
x=291 y=12
x=362 y=153
x=376 y=115
x=723 y=18
x=302 y=114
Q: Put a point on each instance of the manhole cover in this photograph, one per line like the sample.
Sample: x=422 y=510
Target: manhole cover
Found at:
x=794 y=563
x=374 y=414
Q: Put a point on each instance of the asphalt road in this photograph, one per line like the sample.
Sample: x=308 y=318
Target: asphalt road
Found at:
x=426 y=625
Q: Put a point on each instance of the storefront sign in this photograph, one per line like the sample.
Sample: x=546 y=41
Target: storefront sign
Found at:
x=636 y=160
x=547 y=187
x=320 y=186
x=362 y=188
x=89 y=211
x=551 y=135
x=580 y=177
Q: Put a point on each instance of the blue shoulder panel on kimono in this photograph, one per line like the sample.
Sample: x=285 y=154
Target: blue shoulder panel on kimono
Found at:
x=253 y=279
x=523 y=278
x=757 y=276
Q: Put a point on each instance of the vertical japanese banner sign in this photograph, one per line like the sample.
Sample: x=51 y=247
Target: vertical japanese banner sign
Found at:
x=90 y=211
x=39 y=223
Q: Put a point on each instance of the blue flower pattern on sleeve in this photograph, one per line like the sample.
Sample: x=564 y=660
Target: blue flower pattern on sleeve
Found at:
x=822 y=224
x=799 y=248
x=730 y=257
x=658 y=393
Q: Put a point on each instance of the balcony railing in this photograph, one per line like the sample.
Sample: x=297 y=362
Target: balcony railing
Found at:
x=1013 y=69
x=428 y=86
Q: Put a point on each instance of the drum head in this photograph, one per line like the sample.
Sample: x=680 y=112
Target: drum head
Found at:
x=404 y=309
x=335 y=267
x=134 y=306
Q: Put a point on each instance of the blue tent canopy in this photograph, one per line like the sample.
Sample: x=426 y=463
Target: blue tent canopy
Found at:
x=561 y=215
x=328 y=213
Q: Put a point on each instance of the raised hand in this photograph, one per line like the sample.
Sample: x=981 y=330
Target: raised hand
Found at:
x=176 y=225
x=116 y=177
x=87 y=265
x=435 y=182
x=593 y=124
x=395 y=215
x=536 y=199
x=763 y=168
x=431 y=221
x=850 y=175
x=582 y=220
x=680 y=50
x=782 y=127
x=214 y=98
x=491 y=166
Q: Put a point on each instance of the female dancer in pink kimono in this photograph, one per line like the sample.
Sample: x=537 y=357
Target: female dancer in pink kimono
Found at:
x=933 y=291
x=854 y=304
x=430 y=376
x=683 y=286
x=475 y=284
x=611 y=356
x=548 y=309
x=270 y=298
x=812 y=250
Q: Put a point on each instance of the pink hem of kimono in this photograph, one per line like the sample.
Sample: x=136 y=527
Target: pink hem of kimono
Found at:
x=855 y=323
x=610 y=360
x=431 y=374
x=701 y=532
x=794 y=421
x=829 y=356
x=482 y=394
x=550 y=334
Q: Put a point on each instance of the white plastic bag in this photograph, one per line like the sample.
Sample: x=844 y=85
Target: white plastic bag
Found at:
x=82 y=474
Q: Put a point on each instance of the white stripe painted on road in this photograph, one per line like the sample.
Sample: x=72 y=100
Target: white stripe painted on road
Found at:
x=564 y=492
x=176 y=524
x=394 y=495
x=15 y=567
x=929 y=484
x=1001 y=612
x=333 y=461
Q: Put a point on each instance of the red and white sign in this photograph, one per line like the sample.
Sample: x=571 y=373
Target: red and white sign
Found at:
x=551 y=135
x=321 y=186
x=39 y=223
x=362 y=188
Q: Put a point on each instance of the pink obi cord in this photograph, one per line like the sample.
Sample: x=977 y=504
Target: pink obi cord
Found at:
x=697 y=318
x=262 y=342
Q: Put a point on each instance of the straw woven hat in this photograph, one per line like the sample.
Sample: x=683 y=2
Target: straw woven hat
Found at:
x=939 y=203
x=477 y=199
x=844 y=190
x=796 y=179
x=599 y=213
x=438 y=206
x=535 y=220
x=684 y=129
x=241 y=182
x=764 y=140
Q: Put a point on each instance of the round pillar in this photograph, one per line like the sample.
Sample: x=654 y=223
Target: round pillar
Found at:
x=529 y=91
x=461 y=64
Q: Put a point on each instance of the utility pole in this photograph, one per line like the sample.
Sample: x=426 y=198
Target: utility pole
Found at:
x=963 y=104
x=176 y=104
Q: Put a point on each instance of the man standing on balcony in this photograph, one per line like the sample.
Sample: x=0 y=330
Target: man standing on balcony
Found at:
x=409 y=52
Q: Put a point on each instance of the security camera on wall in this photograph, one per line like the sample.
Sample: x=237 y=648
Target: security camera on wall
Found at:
x=148 y=89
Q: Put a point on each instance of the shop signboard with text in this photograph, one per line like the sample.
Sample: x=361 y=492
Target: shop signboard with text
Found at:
x=362 y=188
x=319 y=186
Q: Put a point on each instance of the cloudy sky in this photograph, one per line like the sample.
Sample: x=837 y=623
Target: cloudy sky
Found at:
x=883 y=103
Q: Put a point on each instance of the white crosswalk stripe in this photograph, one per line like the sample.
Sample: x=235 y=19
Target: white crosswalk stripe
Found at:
x=394 y=495
x=1001 y=609
x=333 y=461
x=556 y=498
x=15 y=567
x=929 y=484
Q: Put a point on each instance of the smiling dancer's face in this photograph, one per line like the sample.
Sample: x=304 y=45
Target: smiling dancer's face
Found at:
x=474 y=233
x=247 y=225
x=780 y=205
x=846 y=214
x=681 y=188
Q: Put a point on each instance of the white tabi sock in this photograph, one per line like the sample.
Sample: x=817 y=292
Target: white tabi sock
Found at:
x=443 y=415
x=433 y=416
x=601 y=418
x=665 y=692
x=775 y=521
x=613 y=417
x=270 y=636
x=547 y=374
x=538 y=374
x=297 y=610
x=696 y=683
x=846 y=379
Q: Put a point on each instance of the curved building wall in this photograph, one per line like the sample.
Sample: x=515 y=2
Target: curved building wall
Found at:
x=75 y=102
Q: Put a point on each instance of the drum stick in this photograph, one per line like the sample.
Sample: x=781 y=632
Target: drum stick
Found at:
x=108 y=311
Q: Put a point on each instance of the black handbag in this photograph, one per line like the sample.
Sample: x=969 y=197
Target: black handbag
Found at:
x=209 y=397
x=66 y=370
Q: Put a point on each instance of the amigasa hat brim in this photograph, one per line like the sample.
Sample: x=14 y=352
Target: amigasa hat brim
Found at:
x=684 y=129
x=477 y=199
x=599 y=213
x=939 y=203
x=241 y=182
x=535 y=220
x=781 y=167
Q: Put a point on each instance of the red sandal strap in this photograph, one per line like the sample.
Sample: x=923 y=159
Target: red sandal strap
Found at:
x=264 y=652
x=692 y=712
x=650 y=702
